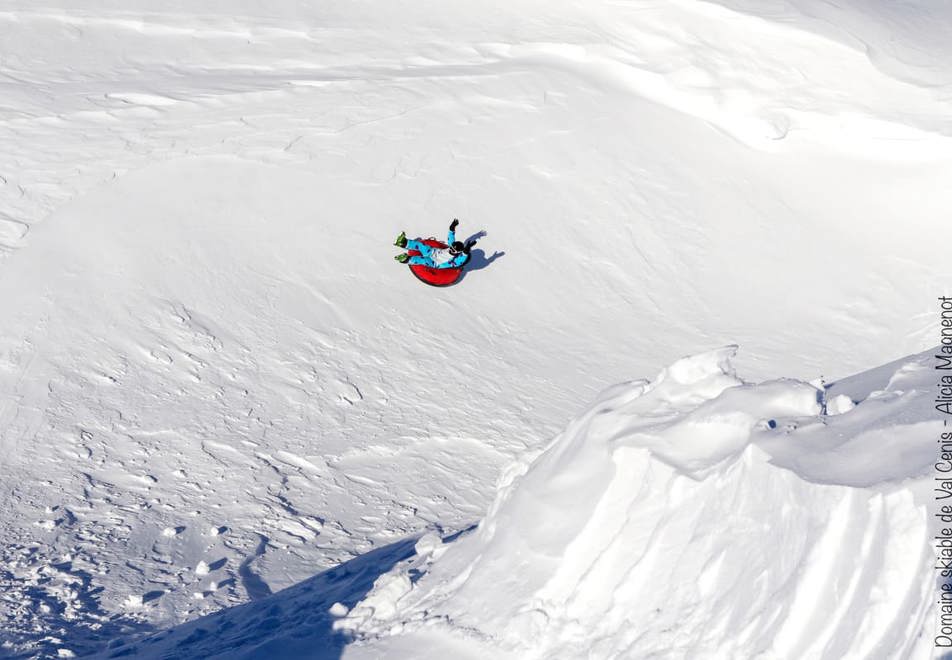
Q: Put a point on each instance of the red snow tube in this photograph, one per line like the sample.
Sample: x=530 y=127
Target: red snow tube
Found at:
x=435 y=276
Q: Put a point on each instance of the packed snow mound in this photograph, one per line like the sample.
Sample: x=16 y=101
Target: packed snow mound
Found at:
x=661 y=524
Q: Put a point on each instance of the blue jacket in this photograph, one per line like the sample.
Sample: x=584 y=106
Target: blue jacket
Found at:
x=459 y=259
x=437 y=257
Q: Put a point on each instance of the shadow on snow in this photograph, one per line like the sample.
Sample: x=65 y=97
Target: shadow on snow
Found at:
x=293 y=623
x=477 y=257
x=478 y=260
x=83 y=627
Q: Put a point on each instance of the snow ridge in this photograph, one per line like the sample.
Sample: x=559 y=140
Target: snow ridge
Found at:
x=657 y=526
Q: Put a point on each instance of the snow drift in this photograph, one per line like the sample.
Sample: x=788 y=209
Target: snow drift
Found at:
x=693 y=516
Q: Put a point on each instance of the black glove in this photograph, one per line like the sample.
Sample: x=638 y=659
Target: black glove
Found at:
x=469 y=245
x=454 y=224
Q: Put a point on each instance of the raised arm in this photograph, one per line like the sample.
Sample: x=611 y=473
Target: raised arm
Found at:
x=451 y=236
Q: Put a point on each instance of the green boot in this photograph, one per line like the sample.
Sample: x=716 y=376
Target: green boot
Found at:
x=401 y=240
x=402 y=258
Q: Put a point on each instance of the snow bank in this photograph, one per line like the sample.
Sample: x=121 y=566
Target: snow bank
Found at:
x=661 y=524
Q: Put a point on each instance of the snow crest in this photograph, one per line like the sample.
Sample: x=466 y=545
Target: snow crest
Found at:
x=656 y=525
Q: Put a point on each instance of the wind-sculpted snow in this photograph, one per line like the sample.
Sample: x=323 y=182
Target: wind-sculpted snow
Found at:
x=658 y=524
x=911 y=42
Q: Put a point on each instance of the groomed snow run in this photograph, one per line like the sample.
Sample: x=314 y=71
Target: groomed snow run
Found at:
x=226 y=412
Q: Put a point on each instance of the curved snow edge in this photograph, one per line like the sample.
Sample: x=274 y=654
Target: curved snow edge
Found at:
x=657 y=525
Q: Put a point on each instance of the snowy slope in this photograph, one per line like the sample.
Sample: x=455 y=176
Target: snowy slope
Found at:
x=214 y=381
x=692 y=516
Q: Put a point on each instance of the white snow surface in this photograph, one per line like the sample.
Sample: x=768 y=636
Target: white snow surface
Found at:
x=231 y=425
x=693 y=516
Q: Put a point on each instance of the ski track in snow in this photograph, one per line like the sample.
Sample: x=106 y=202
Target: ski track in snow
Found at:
x=174 y=399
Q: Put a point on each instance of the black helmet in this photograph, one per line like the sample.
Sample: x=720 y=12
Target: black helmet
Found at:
x=457 y=247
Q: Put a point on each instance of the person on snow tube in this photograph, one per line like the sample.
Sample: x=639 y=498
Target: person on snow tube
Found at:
x=454 y=255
